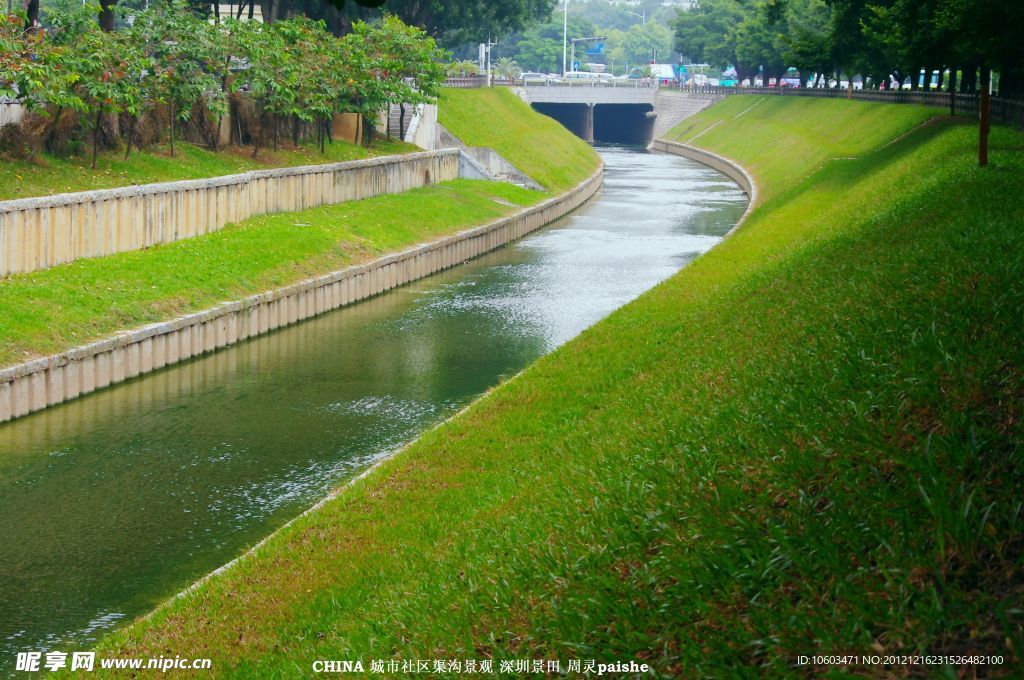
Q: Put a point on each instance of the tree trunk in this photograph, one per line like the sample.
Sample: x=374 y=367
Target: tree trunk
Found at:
x=969 y=80
x=47 y=144
x=171 y=111
x=32 y=12
x=983 y=126
x=131 y=137
x=401 y=122
x=274 y=10
x=107 y=15
x=952 y=91
x=96 y=136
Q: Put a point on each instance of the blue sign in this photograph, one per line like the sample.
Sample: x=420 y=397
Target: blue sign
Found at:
x=596 y=49
x=575 y=66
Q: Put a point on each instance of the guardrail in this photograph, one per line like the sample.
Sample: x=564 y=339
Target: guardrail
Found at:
x=473 y=82
x=1009 y=111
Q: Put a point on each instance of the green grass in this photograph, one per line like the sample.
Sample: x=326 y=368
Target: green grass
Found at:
x=52 y=175
x=784 y=140
x=496 y=118
x=808 y=441
x=48 y=311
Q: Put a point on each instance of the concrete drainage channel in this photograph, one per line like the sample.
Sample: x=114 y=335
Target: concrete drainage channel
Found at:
x=35 y=385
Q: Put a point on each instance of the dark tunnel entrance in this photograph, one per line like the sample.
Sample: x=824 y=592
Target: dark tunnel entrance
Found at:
x=624 y=123
x=608 y=123
x=577 y=118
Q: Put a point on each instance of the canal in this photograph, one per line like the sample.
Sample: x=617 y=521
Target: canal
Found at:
x=117 y=500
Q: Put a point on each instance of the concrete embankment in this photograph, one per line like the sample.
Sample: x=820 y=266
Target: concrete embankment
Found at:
x=34 y=385
x=36 y=233
x=727 y=167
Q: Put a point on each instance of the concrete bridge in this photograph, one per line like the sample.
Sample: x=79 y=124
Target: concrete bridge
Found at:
x=621 y=112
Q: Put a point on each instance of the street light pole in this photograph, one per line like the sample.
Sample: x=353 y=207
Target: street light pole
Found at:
x=643 y=16
x=565 y=34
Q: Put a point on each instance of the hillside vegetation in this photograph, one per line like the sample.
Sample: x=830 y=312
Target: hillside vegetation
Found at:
x=808 y=441
x=496 y=118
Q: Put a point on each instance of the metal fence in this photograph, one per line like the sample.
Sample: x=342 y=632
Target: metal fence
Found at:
x=473 y=82
x=1007 y=110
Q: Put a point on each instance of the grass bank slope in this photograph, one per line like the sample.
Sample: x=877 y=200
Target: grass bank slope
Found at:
x=53 y=175
x=496 y=118
x=808 y=441
x=52 y=310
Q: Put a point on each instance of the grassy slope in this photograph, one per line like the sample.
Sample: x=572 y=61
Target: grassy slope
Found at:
x=815 y=451
x=497 y=118
x=52 y=175
x=49 y=311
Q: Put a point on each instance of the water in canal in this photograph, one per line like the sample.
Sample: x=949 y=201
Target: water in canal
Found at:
x=113 y=502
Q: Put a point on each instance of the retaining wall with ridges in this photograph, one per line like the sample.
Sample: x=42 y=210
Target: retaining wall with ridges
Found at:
x=36 y=233
x=34 y=385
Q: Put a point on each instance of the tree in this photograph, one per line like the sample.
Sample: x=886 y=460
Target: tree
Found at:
x=453 y=22
x=541 y=46
x=109 y=69
x=507 y=67
x=389 y=62
x=642 y=42
x=189 y=58
x=708 y=34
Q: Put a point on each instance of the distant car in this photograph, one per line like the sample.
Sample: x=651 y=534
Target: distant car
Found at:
x=533 y=77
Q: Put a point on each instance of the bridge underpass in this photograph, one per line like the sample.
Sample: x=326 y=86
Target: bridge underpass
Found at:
x=624 y=123
x=614 y=114
x=604 y=123
x=577 y=118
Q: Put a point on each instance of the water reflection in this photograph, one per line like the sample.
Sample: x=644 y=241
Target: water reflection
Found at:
x=112 y=502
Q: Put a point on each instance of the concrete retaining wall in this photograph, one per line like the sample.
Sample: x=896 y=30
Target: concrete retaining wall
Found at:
x=725 y=166
x=36 y=233
x=730 y=169
x=34 y=385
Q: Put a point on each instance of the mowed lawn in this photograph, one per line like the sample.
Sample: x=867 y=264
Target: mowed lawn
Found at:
x=53 y=310
x=496 y=118
x=808 y=441
x=47 y=174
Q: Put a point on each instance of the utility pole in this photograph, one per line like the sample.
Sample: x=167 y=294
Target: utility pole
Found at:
x=489 y=46
x=565 y=34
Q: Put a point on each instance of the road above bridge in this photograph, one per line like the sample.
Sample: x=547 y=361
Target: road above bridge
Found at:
x=627 y=113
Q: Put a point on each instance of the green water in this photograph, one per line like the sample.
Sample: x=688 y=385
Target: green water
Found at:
x=115 y=501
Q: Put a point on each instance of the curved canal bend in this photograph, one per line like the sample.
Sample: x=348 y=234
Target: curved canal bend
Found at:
x=113 y=502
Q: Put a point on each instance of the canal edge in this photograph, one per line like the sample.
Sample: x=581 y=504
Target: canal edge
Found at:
x=726 y=166
x=48 y=381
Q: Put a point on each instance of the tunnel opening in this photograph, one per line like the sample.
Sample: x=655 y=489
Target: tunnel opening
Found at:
x=631 y=124
x=624 y=124
x=577 y=118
